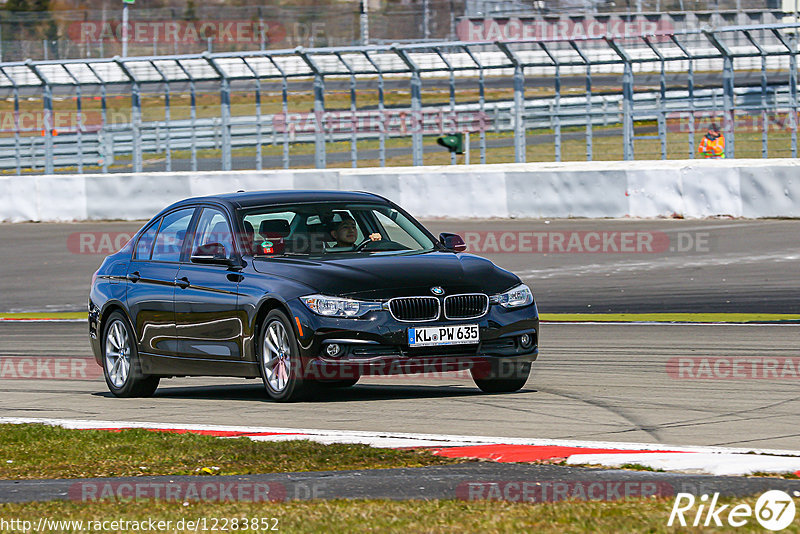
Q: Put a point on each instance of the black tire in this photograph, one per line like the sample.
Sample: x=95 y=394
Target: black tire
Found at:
x=119 y=351
x=283 y=383
x=501 y=377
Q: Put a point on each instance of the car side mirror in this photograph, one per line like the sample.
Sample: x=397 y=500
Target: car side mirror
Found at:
x=453 y=242
x=211 y=254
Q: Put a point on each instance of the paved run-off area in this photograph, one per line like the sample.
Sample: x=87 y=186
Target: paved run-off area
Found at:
x=730 y=385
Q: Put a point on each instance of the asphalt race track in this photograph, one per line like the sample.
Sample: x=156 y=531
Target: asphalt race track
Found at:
x=715 y=265
x=592 y=381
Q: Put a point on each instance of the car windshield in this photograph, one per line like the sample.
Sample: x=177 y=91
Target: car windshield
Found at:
x=330 y=229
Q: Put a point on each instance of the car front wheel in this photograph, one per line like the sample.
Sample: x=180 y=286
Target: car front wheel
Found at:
x=279 y=360
x=121 y=365
x=500 y=376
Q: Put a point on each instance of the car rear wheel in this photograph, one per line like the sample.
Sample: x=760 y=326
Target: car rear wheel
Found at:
x=279 y=360
x=501 y=377
x=122 y=368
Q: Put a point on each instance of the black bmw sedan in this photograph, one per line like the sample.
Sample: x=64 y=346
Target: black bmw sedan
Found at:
x=305 y=289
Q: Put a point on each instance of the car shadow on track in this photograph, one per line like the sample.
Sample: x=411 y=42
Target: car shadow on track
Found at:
x=360 y=392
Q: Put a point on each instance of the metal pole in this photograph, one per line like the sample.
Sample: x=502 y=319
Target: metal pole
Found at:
x=108 y=139
x=17 y=155
x=364 y=20
x=192 y=115
x=764 y=121
x=556 y=118
x=662 y=99
x=588 y=99
x=319 y=110
x=259 y=159
x=417 y=124
x=416 y=119
x=48 y=118
x=192 y=120
x=225 y=108
x=381 y=113
x=481 y=104
x=125 y=30
x=104 y=138
x=453 y=117
x=285 y=109
x=136 y=116
x=168 y=162
x=353 y=116
x=627 y=100
x=690 y=88
x=519 y=104
x=425 y=19
x=79 y=132
x=727 y=91
x=793 y=96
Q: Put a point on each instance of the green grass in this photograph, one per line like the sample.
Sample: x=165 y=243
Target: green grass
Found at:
x=44 y=315
x=434 y=516
x=40 y=451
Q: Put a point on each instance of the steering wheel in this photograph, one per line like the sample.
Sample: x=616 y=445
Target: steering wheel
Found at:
x=363 y=245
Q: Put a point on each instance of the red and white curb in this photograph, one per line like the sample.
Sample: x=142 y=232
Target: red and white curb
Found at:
x=693 y=459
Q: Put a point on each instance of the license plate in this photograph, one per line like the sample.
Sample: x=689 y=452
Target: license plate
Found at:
x=428 y=336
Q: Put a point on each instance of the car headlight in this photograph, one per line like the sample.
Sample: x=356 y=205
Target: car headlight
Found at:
x=339 y=307
x=514 y=298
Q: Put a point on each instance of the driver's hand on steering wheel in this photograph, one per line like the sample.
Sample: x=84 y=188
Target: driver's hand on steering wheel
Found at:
x=375 y=237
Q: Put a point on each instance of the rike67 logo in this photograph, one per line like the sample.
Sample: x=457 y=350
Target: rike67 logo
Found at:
x=774 y=510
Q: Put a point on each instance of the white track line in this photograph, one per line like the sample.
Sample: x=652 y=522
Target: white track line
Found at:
x=379 y=439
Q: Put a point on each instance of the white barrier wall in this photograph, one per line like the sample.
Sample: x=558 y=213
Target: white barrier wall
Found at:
x=691 y=188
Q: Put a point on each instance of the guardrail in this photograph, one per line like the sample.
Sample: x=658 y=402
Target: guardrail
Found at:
x=772 y=49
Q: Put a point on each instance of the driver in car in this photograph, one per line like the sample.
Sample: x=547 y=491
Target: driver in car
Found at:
x=345 y=234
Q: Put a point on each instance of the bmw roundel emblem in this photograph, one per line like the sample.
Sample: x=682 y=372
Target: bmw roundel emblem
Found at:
x=437 y=290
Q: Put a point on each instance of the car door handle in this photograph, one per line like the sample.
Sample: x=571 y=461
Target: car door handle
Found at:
x=182 y=283
x=133 y=277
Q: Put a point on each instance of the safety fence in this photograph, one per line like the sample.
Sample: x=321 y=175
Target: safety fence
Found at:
x=623 y=96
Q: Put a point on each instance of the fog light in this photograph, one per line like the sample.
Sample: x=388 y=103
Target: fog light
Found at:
x=333 y=350
x=525 y=340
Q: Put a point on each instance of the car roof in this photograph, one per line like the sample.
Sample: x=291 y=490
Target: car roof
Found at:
x=264 y=198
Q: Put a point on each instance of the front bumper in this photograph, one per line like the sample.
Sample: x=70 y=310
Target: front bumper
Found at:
x=377 y=344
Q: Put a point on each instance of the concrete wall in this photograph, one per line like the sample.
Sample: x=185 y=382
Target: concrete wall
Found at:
x=692 y=188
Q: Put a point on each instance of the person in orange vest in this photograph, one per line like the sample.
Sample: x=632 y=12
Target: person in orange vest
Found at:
x=713 y=143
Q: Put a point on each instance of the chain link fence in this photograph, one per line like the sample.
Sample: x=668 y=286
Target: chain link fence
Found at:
x=623 y=96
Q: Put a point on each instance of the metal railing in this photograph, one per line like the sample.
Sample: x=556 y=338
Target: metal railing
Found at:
x=667 y=84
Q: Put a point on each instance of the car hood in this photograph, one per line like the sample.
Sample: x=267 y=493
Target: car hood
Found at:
x=384 y=276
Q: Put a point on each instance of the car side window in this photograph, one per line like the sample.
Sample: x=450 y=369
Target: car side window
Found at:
x=145 y=244
x=213 y=227
x=169 y=241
